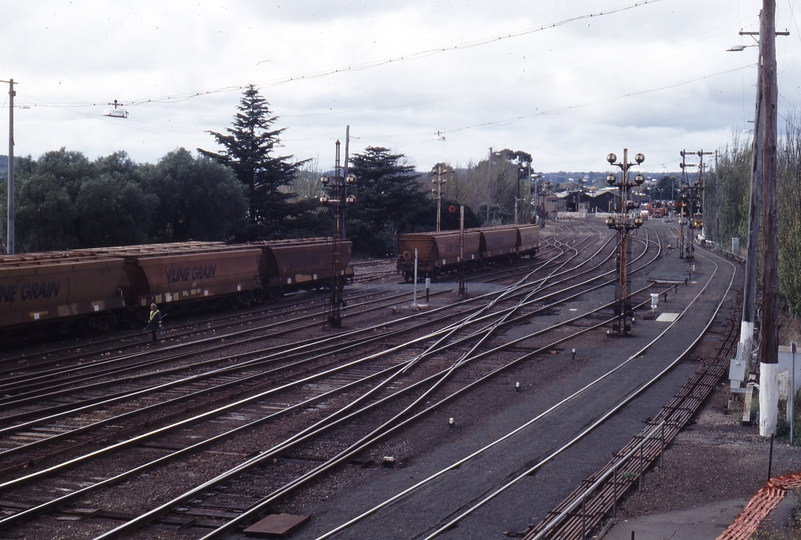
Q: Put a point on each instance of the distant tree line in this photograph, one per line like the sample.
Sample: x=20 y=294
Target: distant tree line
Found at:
x=64 y=201
x=726 y=201
x=246 y=191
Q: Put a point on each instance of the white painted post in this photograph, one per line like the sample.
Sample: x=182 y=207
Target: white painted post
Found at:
x=414 y=300
x=791 y=416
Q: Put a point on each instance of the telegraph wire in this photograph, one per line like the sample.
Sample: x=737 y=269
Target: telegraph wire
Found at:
x=180 y=97
x=561 y=110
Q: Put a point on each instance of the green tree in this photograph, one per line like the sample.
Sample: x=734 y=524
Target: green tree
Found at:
x=113 y=210
x=70 y=169
x=248 y=151
x=389 y=200
x=198 y=199
x=45 y=216
x=667 y=188
x=727 y=193
x=45 y=191
x=498 y=181
x=789 y=210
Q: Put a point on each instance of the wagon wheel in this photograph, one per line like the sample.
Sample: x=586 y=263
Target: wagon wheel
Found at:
x=276 y=293
x=84 y=328
x=407 y=276
x=105 y=323
x=131 y=320
x=248 y=299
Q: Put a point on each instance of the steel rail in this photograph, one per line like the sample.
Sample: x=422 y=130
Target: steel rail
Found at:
x=615 y=409
x=14 y=383
x=316 y=343
x=549 y=523
x=121 y=334
x=272 y=453
x=305 y=380
x=65 y=434
x=276 y=451
x=674 y=415
x=413 y=488
x=63 y=499
x=353 y=450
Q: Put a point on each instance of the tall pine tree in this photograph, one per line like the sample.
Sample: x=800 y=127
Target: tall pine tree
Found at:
x=389 y=201
x=248 y=151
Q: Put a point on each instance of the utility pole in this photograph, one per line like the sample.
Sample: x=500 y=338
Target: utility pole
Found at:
x=524 y=172
x=754 y=207
x=769 y=329
x=10 y=224
x=745 y=346
x=700 y=184
x=345 y=169
x=692 y=192
x=489 y=170
x=462 y=290
x=439 y=181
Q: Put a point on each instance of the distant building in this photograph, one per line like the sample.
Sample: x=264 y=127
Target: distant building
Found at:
x=603 y=200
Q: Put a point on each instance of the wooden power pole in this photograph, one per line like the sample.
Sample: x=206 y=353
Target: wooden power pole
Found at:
x=769 y=333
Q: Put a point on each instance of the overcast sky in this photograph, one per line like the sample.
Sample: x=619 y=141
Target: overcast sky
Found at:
x=440 y=81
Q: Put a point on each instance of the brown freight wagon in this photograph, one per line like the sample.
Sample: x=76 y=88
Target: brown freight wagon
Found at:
x=54 y=290
x=499 y=244
x=437 y=253
x=209 y=274
x=293 y=265
x=528 y=240
x=101 y=286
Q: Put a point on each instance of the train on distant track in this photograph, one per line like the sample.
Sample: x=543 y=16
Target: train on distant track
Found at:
x=438 y=253
x=97 y=289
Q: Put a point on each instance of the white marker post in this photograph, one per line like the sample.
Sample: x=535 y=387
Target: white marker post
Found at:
x=414 y=301
x=791 y=412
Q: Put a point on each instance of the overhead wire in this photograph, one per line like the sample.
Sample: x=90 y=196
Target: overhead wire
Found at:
x=176 y=98
x=179 y=97
x=509 y=121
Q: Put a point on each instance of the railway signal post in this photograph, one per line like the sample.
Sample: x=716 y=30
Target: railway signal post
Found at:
x=438 y=181
x=462 y=289
x=623 y=223
x=687 y=194
x=693 y=192
x=338 y=199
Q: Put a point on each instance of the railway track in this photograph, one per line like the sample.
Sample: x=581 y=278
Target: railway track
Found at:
x=576 y=522
x=438 y=365
x=596 y=498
